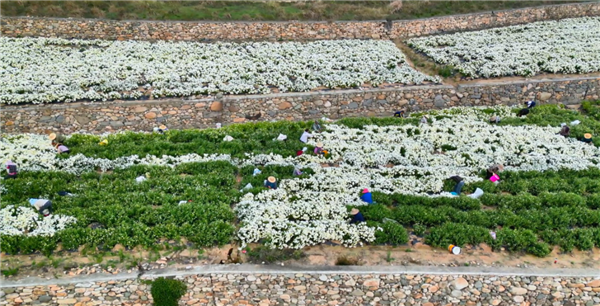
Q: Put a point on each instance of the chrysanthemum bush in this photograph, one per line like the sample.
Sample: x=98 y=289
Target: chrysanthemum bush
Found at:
x=42 y=70
x=16 y=221
x=407 y=160
x=563 y=46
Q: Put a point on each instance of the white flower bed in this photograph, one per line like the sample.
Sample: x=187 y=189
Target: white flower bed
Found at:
x=15 y=221
x=373 y=158
x=564 y=46
x=390 y=159
x=41 y=70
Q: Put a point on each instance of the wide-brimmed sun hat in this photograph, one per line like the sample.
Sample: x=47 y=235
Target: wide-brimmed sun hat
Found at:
x=52 y=136
x=319 y=144
x=365 y=190
x=587 y=136
x=501 y=167
x=354 y=211
x=271 y=179
x=163 y=127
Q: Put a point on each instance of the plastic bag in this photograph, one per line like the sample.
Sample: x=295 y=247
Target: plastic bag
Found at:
x=477 y=194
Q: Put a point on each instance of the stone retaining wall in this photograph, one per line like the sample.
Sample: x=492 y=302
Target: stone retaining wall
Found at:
x=99 y=117
x=331 y=289
x=288 y=30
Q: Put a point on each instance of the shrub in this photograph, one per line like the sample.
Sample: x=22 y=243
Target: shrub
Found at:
x=167 y=292
x=265 y=254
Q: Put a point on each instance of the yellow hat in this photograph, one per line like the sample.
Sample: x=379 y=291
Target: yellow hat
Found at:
x=162 y=127
x=52 y=136
x=354 y=211
x=587 y=136
x=271 y=179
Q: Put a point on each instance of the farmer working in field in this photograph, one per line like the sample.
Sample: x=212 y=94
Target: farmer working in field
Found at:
x=530 y=104
x=57 y=143
x=587 y=138
x=367 y=196
x=357 y=216
x=316 y=127
x=523 y=112
x=399 y=114
x=271 y=182
x=460 y=183
x=564 y=130
x=495 y=119
x=11 y=169
x=492 y=172
x=44 y=207
x=305 y=136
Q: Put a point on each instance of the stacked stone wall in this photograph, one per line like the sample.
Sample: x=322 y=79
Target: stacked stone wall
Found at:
x=319 y=289
x=285 y=30
x=100 y=117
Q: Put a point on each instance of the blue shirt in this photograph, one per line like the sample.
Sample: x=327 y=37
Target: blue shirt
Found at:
x=271 y=185
x=530 y=104
x=358 y=218
x=367 y=197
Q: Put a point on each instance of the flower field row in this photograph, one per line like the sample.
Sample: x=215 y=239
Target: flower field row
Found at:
x=564 y=46
x=405 y=164
x=43 y=70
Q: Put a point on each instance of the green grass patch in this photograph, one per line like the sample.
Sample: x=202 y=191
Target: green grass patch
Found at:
x=260 y=10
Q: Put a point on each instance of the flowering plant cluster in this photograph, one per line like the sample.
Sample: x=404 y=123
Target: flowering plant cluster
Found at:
x=42 y=70
x=412 y=160
x=15 y=221
x=563 y=46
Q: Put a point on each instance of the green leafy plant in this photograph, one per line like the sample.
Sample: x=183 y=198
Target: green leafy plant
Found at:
x=167 y=292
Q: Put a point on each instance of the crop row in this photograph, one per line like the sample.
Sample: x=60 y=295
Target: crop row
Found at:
x=101 y=70
x=563 y=46
x=255 y=138
x=114 y=209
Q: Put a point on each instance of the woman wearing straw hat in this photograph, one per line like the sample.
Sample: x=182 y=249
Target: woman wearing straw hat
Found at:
x=271 y=182
x=357 y=216
x=587 y=138
x=319 y=148
x=57 y=143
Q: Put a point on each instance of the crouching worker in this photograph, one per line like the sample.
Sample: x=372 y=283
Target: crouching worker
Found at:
x=460 y=183
x=495 y=119
x=11 y=168
x=492 y=173
x=271 y=182
x=57 y=141
x=316 y=127
x=357 y=216
x=399 y=114
x=564 y=130
x=367 y=197
x=44 y=207
x=587 y=138
x=523 y=112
